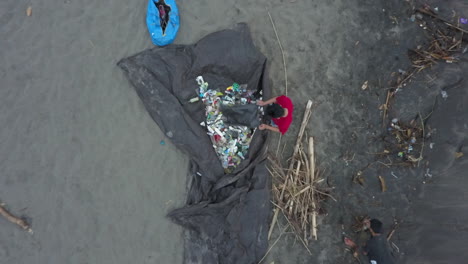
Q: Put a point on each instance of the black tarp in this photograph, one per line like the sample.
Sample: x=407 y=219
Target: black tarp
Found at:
x=226 y=215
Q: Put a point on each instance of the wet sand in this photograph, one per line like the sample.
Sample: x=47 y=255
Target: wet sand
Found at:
x=80 y=156
x=82 y=159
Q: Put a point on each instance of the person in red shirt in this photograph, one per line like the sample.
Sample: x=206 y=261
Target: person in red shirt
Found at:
x=281 y=110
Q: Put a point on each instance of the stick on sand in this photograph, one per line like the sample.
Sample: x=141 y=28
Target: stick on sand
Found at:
x=15 y=220
x=312 y=179
x=282 y=53
x=305 y=121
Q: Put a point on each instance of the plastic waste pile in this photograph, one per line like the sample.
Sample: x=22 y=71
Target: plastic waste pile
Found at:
x=231 y=143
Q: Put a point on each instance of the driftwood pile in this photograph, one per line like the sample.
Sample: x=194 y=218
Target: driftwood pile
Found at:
x=295 y=189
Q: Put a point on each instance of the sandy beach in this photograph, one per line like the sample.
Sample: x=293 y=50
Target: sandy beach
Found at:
x=83 y=161
x=80 y=156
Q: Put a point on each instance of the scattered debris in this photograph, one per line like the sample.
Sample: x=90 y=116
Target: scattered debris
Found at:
x=406 y=139
x=396 y=247
x=29 y=11
x=365 y=85
x=383 y=185
x=15 y=220
x=463 y=20
x=444 y=94
x=385 y=107
x=347 y=159
x=358 y=178
x=445 y=42
x=458 y=155
x=162 y=142
x=428 y=174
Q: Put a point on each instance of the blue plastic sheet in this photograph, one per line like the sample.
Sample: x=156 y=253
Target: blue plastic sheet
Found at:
x=153 y=22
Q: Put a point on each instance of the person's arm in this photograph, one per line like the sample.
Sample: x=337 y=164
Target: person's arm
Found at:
x=264 y=126
x=270 y=101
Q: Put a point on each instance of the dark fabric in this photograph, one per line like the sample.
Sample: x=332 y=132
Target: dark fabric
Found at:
x=164 y=11
x=226 y=215
x=377 y=250
x=243 y=115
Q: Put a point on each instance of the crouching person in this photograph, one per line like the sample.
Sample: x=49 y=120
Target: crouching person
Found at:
x=280 y=109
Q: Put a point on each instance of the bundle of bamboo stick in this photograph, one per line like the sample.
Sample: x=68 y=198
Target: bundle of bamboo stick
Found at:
x=295 y=189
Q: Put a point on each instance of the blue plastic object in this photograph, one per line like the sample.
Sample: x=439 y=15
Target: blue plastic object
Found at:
x=155 y=23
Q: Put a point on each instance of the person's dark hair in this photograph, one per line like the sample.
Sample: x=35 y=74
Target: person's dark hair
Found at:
x=376 y=226
x=274 y=110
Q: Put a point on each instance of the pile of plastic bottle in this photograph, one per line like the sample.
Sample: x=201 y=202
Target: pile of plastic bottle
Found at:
x=231 y=143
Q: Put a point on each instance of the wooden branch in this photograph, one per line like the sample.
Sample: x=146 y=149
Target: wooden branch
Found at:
x=395 y=226
x=383 y=185
x=305 y=121
x=282 y=53
x=312 y=179
x=385 y=109
x=15 y=220
x=423 y=140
